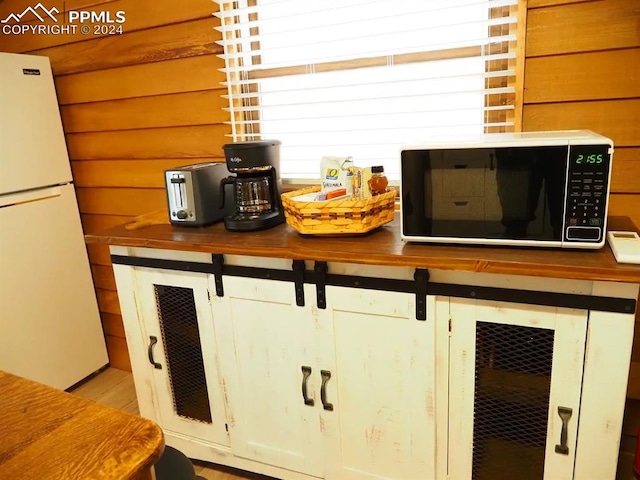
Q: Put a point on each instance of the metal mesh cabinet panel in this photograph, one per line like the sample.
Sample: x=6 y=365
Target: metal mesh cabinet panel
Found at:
x=181 y=339
x=511 y=402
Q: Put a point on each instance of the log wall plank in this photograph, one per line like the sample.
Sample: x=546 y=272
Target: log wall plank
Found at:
x=108 y=301
x=625 y=177
x=126 y=173
x=625 y=205
x=181 y=109
x=97 y=223
x=139 y=15
x=103 y=277
x=112 y=325
x=583 y=27
x=181 y=40
x=616 y=119
x=180 y=75
x=120 y=201
x=118 y=353
x=633 y=387
x=583 y=76
x=179 y=142
x=98 y=254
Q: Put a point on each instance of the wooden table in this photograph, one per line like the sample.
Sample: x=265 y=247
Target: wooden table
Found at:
x=50 y=434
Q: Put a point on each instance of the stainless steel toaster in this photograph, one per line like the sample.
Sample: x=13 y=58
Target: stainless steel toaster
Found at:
x=193 y=194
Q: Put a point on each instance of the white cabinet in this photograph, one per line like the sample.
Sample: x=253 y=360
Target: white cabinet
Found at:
x=515 y=389
x=176 y=326
x=270 y=361
x=238 y=371
x=382 y=386
x=344 y=392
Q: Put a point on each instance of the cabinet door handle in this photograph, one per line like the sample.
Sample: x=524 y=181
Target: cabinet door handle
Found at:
x=565 y=414
x=326 y=375
x=306 y=373
x=152 y=341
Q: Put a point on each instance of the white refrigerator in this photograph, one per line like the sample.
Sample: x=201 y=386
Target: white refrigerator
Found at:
x=50 y=328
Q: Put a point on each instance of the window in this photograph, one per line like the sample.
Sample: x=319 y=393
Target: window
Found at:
x=363 y=78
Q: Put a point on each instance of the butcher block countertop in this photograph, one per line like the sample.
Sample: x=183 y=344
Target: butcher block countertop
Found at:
x=48 y=434
x=380 y=247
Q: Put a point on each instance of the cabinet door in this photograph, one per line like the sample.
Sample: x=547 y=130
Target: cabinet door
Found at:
x=178 y=326
x=269 y=339
x=514 y=392
x=382 y=386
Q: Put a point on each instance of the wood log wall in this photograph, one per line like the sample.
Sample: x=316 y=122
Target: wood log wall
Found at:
x=582 y=70
x=132 y=106
x=138 y=103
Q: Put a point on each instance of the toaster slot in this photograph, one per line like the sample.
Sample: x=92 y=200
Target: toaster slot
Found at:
x=179 y=191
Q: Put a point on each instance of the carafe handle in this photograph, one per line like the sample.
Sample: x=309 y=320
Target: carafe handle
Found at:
x=223 y=183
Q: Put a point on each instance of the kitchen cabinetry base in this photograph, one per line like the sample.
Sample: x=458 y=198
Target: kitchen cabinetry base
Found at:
x=368 y=352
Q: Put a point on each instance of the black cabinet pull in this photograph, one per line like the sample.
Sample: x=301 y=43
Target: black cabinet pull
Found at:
x=306 y=373
x=152 y=341
x=218 y=262
x=565 y=414
x=326 y=375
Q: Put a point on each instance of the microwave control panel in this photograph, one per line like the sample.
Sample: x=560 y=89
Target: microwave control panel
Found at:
x=587 y=189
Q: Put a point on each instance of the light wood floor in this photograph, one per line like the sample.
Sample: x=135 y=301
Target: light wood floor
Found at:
x=115 y=388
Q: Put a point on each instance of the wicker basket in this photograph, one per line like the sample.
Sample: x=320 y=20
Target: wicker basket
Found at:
x=339 y=216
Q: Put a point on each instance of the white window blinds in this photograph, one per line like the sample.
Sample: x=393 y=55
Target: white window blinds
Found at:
x=363 y=78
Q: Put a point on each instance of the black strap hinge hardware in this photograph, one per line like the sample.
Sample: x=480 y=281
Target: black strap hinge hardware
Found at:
x=421 y=276
x=218 y=262
x=298 y=279
x=321 y=269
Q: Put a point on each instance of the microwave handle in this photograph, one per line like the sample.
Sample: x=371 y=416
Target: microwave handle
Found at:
x=223 y=183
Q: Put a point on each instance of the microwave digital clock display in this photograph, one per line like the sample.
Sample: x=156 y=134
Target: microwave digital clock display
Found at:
x=592 y=159
x=582 y=157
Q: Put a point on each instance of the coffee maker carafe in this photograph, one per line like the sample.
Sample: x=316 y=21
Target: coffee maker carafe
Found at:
x=256 y=183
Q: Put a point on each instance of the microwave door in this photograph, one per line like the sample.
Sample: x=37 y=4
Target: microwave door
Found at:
x=482 y=193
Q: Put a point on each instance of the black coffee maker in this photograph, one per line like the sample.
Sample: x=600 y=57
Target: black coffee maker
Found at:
x=256 y=183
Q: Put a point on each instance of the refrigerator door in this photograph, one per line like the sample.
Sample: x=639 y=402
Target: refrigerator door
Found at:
x=33 y=152
x=50 y=328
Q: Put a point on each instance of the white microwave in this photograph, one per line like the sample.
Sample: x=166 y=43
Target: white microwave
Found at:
x=533 y=189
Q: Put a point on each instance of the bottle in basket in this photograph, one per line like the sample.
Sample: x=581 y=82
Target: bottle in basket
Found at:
x=378 y=182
